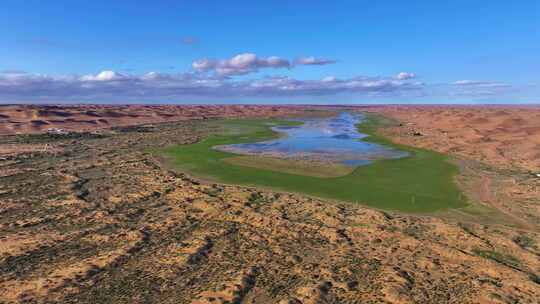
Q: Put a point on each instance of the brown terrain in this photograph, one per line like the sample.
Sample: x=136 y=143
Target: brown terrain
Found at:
x=29 y=119
x=497 y=147
x=94 y=217
x=503 y=136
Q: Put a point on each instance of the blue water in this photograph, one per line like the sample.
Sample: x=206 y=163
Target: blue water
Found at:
x=334 y=139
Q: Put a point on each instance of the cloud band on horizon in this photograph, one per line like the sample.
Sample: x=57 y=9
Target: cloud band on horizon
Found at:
x=162 y=85
x=212 y=78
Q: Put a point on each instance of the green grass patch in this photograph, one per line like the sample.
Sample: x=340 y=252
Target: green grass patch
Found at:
x=420 y=183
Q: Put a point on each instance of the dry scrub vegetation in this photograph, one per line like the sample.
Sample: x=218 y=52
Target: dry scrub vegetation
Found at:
x=96 y=219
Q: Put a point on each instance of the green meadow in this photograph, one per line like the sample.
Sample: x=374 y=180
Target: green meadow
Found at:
x=420 y=183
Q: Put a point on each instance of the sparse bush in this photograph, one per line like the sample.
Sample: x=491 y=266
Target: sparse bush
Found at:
x=391 y=229
x=213 y=192
x=535 y=278
x=256 y=198
x=413 y=231
x=524 y=241
x=387 y=215
x=498 y=257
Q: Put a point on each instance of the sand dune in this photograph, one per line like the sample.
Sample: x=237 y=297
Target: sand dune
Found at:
x=95 y=220
x=511 y=131
x=20 y=119
x=493 y=133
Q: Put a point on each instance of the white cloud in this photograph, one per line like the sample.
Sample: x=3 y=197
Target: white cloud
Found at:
x=329 y=79
x=480 y=83
x=405 y=75
x=313 y=61
x=239 y=65
x=203 y=65
x=112 y=85
x=104 y=76
x=479 y=89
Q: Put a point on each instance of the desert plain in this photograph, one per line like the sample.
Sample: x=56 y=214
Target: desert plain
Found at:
x=90 y=213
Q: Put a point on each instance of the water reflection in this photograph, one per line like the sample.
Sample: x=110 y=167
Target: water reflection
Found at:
x=334 y=139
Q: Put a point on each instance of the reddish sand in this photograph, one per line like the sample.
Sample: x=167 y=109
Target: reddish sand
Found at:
x=503 y=136
x=98 y=220
x=21 y=119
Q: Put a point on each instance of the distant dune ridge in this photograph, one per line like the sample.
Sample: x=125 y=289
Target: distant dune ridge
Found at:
x=21 y=119
x=503 y=136
x=494 y=134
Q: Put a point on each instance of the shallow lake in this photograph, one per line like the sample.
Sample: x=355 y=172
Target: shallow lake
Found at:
x=333 y=139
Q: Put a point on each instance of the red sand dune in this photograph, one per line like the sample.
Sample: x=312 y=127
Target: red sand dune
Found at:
x=18 y=119
x=504 y=136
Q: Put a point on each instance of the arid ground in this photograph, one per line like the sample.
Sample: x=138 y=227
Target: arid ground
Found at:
x=29 y=119
x=94 y=216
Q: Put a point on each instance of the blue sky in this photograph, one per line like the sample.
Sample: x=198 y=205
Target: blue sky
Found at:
x=273 y=52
